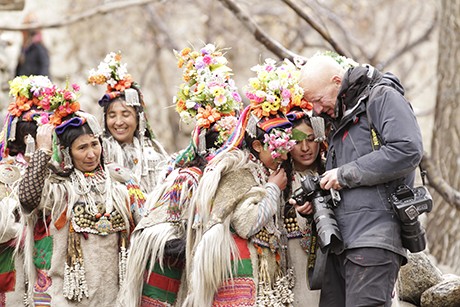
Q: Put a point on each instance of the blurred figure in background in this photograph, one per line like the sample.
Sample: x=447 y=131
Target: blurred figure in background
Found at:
x=34 y=57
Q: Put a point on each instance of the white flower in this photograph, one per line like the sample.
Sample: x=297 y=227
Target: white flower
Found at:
x=274 y=85
x=186 y=117
x=190 y=104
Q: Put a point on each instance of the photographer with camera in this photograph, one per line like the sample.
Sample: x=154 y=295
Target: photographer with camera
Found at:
x=375 y=145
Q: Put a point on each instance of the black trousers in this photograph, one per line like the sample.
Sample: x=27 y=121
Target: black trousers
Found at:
x=361 y=277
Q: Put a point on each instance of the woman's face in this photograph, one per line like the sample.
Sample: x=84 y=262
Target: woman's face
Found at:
x=305 y=152
x=86 y=152
x=265 y=156
x=121 y=121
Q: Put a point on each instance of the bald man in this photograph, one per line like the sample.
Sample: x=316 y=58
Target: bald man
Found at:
x=366 y=173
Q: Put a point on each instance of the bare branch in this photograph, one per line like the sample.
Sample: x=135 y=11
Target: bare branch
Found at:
x=348 y=36
x=315 y=26
x=449 y=194
x=156 y=23
x=274 y=46
x=71 y=19
x=422 y=38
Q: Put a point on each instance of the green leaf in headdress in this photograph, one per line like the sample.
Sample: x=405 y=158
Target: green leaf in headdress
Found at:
x=298 y=135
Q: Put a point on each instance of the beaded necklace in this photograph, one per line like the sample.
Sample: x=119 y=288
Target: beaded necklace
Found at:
x=260 y=172
x=89 y=184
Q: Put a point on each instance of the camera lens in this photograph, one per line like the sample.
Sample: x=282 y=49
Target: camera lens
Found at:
x=326 y=226
x=413 y=236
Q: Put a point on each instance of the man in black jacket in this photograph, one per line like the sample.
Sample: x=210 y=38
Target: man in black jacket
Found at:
x=363 y=274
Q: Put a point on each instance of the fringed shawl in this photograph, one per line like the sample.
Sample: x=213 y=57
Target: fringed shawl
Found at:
x=168 y=208
x=228 y=181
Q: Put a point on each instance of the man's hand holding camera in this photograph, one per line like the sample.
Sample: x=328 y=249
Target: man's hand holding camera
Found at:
x=329 y=180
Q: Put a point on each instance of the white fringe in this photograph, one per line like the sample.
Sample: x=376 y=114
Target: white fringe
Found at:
x=29 y=266
x=211 y=264
x=146 y=245
x=9 y=228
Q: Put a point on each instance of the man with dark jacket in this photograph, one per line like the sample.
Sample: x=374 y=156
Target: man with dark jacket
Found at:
x=364 y=274
x=34 y=57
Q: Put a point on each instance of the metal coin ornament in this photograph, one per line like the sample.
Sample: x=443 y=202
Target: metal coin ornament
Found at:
x=103 y=226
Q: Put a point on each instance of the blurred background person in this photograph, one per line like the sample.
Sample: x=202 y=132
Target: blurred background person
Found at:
x=34 y=57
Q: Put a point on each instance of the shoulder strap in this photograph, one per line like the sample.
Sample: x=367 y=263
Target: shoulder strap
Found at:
x=376 y=138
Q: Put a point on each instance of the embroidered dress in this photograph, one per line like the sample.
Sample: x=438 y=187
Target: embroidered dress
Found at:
x=11 y=265
x=80 y=229
x=231 y=264
x=145 y=159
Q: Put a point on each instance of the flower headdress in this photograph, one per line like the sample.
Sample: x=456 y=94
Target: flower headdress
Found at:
x=342 y=60
x=277 y=138
x=28 y=105
x=113 y=72
x=28 y=93
x=208 y=95
x=62 y=102
x=208 y=92
x=275 y=89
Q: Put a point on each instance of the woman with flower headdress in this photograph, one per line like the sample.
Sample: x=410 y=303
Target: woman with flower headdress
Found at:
x=79 y=215
x=17 y=144
x=158 y=242
x=238 y=250
x=307 y=157
x=128 y=139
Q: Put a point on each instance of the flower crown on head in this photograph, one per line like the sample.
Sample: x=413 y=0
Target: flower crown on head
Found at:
x=62 y=102
x=208 y=92
x=28 y=92
x=278 y=135
x=342 y=60
x=275 y=89
x=112 y=72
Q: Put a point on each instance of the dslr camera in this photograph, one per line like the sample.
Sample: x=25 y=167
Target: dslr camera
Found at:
x=323 y=202
x=409 y=203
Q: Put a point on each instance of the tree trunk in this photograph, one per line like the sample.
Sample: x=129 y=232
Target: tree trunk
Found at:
x=443 y=226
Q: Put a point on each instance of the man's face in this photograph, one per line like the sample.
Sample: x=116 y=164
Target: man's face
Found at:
x=323 y=96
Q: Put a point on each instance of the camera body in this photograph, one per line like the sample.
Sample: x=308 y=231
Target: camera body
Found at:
x=323 y=202
x=409 y=203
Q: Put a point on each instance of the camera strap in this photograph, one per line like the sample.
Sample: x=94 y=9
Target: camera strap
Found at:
x=316 y=266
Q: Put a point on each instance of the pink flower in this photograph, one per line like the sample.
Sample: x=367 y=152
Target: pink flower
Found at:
x=236 y=97
x=68 y=95
x=44 y=119
x=45 y=103
x=207 y=59
x=286 y=93
x=75 y=87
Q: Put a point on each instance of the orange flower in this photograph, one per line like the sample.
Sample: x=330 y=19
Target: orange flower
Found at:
x=118 y=57
x=20 y=105
x=185 y=51
x=180 y=106
x=180 y=63
x=257 y=109
x=207 y=116
x=55 y=120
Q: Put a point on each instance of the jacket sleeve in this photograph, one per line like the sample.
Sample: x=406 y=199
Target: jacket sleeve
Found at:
x=402 y=148
x=31 y=185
